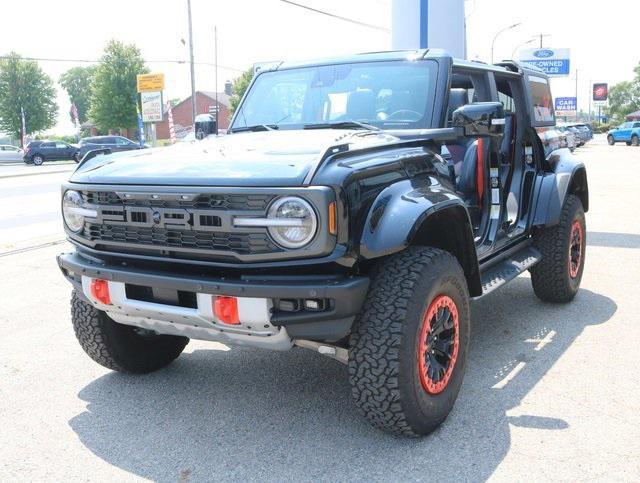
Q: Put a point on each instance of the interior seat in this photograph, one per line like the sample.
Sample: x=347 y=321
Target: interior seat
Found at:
x=457 y=98
x=361 y=105
x=507 y=148
x=471 y=181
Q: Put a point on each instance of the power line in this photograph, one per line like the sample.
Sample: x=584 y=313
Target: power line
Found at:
x=332 y=15
x=97 y=61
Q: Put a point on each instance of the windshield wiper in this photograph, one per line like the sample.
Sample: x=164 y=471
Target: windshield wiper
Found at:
x=256 y=127
x=343 y=125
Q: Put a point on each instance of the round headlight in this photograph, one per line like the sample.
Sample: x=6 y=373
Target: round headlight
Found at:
x=295 y=222
x=72 y=211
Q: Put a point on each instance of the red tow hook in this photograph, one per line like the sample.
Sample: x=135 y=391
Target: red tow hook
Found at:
x=226 y=309
x=100 y=290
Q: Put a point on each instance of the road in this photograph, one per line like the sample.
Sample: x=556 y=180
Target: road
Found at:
x=552 y=392
x=30 y=205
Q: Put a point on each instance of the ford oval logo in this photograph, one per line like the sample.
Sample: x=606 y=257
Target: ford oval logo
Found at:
x=543 y=53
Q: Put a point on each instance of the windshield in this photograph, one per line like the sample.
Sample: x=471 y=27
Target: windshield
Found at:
x=387 y=95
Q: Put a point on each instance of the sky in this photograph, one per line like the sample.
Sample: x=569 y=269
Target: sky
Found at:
x=603 y=42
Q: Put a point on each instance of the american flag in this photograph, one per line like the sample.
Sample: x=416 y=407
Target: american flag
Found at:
x=172 y=129
x=74 y=115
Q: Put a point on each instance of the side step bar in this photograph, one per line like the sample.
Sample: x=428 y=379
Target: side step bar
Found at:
x=508 y=269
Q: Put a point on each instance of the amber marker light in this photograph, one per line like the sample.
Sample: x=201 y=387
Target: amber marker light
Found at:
x=333 y=219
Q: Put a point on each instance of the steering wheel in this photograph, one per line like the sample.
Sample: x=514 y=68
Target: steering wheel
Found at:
x=413 y=114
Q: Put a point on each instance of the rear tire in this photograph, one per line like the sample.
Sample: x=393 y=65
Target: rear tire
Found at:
x=556 y=278
x=37 y=159
x=403 y=379
x=610 y=140
x=634 y=141
x=121 y=347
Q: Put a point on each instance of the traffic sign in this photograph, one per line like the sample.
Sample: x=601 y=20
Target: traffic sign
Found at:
x=150 y=82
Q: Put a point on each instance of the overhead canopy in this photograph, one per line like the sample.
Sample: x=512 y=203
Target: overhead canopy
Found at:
x=634 y=116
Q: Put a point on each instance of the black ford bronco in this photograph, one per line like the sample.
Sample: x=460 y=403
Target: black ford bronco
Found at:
x=355 y=207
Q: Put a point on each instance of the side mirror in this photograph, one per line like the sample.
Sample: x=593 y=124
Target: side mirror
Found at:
x=480 y=119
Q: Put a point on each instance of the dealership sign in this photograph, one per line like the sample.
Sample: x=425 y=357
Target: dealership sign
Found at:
x=150 y=82
x=553 y=62
x=600 y=93
x=151 y=106
x=566 y=106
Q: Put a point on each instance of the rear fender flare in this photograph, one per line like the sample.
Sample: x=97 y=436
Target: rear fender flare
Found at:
x=568 y=177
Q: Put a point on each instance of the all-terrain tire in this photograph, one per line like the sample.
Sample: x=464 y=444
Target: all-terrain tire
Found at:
x=385 y=355
x=553 y=278
x=121 y=347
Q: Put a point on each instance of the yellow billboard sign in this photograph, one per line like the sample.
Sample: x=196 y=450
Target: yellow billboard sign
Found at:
x=150 y=82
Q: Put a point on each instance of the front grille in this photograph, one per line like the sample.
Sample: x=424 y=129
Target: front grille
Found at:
x=241 y=243
x=200 y=224
x=213 y=201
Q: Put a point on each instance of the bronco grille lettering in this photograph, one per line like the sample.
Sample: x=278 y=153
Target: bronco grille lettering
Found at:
x=169 y=218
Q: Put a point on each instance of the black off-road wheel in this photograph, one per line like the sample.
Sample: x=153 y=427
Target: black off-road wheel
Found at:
x=556 y=278
x=408 y=350
x=121 y=347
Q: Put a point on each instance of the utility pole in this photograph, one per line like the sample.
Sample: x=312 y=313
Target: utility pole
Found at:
x=193 y=73
x=590 y=96
x=576 y=94
x=215 y=62
x=541 y=37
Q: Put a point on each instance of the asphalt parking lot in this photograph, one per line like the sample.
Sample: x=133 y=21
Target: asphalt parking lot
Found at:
x=551 y=391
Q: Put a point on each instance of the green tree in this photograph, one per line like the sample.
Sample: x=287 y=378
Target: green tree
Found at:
x=113 y=93
x=77 y=82
x=624 y=98
x=24 y=86
x=240 y=85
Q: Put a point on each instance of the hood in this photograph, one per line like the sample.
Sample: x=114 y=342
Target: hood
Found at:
x=269 y=158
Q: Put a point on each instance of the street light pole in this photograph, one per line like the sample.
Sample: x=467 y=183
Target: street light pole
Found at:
x=513 y=54
x=193 y=73
x=493 y=42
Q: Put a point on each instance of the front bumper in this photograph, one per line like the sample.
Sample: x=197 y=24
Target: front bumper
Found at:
x=344 y=295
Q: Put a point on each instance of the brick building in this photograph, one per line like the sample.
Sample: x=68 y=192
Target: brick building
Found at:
x=182 y=113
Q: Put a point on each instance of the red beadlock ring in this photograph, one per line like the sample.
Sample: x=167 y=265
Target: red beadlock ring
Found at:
x=439 y=341
x=575 y=248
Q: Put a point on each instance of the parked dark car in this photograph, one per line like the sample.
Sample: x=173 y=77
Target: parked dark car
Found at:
x=37 y=152
x=106 y=145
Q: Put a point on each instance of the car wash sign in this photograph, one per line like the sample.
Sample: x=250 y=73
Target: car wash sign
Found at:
x=566 y=106
x=553 y=62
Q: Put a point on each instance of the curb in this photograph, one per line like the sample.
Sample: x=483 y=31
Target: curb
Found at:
x=35 y=174
x=45 y=244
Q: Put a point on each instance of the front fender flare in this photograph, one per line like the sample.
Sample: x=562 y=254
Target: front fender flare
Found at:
x=404 y=214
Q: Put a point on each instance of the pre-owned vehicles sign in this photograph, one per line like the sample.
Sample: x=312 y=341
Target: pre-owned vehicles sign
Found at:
x=566 y=106
x=553 y=62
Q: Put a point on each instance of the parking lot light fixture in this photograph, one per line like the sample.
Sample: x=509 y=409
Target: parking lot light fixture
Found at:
x=519 y=46
x=493 y=42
